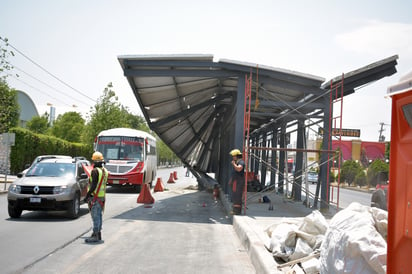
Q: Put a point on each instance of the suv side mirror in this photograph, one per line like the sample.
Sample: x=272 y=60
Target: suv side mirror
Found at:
x=83 y=176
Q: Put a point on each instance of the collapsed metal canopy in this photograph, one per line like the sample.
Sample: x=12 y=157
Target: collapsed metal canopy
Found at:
x=191 y=103
x=187 y=98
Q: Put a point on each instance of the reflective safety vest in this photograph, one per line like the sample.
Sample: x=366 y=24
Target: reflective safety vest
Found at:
x=101 y=185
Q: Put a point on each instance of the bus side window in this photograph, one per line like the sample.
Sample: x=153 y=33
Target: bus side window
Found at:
x=148 y=149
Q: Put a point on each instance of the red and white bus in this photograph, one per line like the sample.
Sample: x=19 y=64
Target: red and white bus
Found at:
x=130 y=156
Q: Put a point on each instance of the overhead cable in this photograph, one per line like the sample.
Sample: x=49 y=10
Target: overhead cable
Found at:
x=27 y=84
x=52 y=75
x=51 y=87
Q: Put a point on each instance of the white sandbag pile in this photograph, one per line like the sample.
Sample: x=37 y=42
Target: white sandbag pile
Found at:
x=291 y=240
x=353 y=242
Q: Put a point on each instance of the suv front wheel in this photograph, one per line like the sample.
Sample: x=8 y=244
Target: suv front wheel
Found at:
x=14 y=211
x=74 y=207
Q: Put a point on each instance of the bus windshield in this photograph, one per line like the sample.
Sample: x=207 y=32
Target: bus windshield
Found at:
x=120 y=148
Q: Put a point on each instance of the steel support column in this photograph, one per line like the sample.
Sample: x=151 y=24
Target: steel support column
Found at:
x=282 y=157
x=297 y=186
x=226 y=138
x=273 y=158
x=253 y=159
x=239 y=115
x=263 y=166
x=327 y=140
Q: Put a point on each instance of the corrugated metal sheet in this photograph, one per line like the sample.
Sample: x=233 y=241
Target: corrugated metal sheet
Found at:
x=190 y=100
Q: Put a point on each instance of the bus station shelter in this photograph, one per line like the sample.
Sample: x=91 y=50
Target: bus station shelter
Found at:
x=202 y=109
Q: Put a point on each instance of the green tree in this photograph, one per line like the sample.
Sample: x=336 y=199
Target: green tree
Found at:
x=110 y=113
x=378 y=171
x=138 y=122
x=332 y=177
x=107 y=113
x=39 y=124
x=5 y=54
x=360 y=178
x=349 y=170
x=9 y=107
x=387 y=150
x=165 y=154
x=69 y=126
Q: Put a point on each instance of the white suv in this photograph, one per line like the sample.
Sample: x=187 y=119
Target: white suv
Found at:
x=50 y=184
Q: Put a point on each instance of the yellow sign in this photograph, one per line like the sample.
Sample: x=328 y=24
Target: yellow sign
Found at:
x=342 y=132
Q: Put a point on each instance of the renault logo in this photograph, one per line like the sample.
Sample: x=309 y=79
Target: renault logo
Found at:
x=36 y=189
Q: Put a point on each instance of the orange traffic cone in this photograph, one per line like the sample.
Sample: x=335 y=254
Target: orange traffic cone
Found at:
x=170 y=181
x=175 y=175
x=145 y=197
x=159 y=185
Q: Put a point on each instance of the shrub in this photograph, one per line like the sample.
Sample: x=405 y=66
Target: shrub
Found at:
x=378 y=171
x=29 y=145
x=350 y=169
x=332 y=177
x=360 y=178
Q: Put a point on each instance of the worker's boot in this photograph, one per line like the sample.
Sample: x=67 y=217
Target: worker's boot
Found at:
x=99 y=236
x=236 y=210
x=94 y=238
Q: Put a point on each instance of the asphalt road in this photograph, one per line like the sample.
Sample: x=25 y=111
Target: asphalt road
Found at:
x=342 y=196
x=347 y=196
x=184 y=231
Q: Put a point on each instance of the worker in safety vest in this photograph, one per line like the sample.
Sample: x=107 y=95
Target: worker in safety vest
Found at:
x=237 y=180
x=96 y=196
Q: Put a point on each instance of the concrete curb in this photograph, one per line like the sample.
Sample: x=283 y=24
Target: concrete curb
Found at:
x=254 y=241
x=252 y=238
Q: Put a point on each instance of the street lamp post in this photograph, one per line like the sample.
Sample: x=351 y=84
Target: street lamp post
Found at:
x=52 y=113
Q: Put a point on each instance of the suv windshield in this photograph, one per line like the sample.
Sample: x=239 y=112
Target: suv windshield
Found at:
x=52 y=170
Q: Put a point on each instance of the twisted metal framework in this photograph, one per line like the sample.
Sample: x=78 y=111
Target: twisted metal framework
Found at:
x=335 y=97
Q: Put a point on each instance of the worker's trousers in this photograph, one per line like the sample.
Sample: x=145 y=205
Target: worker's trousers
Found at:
x=97 y=216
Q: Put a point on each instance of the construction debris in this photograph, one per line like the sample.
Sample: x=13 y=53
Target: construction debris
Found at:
x=353 y=242
x=294 y=242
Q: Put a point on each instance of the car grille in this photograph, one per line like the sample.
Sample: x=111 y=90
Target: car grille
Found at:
x=42 y=190
x=118 y=168
x=45 y=204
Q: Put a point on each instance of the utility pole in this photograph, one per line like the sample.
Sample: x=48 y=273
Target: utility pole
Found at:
x=381 y=130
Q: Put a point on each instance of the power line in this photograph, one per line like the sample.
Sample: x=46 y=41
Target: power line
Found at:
x=44 y=83
x=55 y=77
x=27 y=84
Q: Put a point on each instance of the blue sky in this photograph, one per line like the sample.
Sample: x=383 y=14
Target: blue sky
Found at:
x=79 y=41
